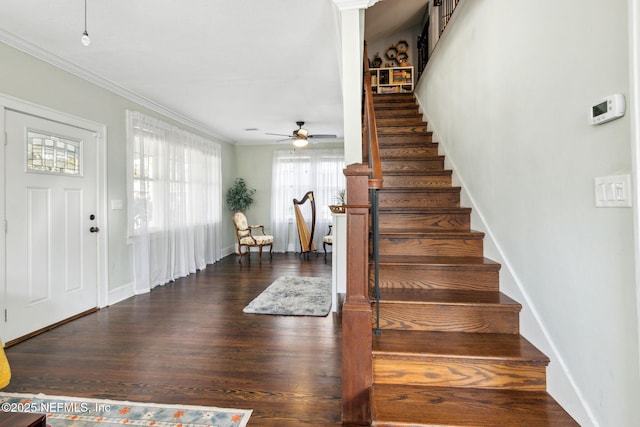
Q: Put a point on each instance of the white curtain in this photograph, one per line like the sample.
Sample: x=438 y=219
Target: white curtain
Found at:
x=174 y=201
x=295 y=172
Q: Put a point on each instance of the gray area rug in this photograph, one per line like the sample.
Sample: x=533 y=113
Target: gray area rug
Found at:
x=294 y=296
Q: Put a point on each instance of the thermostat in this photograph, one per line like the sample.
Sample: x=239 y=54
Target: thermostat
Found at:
x=610 y=108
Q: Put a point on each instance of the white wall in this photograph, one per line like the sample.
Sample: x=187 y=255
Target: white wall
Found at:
x=507 y=91
x=24 y=77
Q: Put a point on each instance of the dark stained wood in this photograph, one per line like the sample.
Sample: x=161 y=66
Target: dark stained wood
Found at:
x=472 y=273
x=357 y=370
x=400 y=121
x=456 y=406
x=22 y=419
x=397 y=130
x=449 y=352
x=446 y=243
x=420 y=198
x=189 y=342
x=448 y=310
x=426 y=179
x=417 y=165
x=457 y=359
x=424 y=219
x=404 y=139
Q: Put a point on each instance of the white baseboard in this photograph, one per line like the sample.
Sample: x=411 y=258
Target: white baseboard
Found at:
x=120 y=293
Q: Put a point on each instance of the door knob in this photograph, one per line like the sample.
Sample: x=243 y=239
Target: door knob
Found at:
x=94 y=229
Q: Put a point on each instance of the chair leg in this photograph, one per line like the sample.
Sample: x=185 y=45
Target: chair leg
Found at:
x=324 y=246
x=260 y=252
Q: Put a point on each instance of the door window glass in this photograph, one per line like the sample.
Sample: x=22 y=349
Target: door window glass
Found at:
x=52 y=154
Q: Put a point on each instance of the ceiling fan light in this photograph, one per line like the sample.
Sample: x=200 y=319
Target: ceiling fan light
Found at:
x=300 y=142
x=85 y=39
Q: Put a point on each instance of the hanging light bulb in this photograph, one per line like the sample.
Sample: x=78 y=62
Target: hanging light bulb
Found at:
x=85 y=39
x=85 y=36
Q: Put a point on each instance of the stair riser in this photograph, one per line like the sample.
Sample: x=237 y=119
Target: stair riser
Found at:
x=451 y=318
x=423 y=221
x=408 y=152
x=417 y=181
x=400 y=121
x=394 y=105
x=437 y=277
x=432 y=164
x=420 y=129
x=405 y=111
x=430 y=247
x=459 y=372
x=411 y=406
x=395 y=140
x=400 y=199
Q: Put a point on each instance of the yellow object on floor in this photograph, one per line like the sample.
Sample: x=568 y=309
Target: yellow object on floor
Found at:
x=5 y=370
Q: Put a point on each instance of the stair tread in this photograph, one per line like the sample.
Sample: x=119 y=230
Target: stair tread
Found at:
x=505 y=347
x=451 y=261
x=446 y=297
x=403 y=405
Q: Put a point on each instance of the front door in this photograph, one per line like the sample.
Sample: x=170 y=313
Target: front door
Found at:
x=51 y=231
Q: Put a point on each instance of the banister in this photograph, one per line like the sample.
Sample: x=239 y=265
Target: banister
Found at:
x=363 y=182
x=370 y=130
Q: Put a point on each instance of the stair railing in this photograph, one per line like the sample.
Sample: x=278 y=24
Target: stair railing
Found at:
x=363 y=182
x=372 y=151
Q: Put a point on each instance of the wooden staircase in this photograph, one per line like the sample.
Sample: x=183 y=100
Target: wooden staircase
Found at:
x=450 y=352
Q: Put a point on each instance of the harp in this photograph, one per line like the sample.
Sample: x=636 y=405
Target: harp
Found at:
x=306 y=236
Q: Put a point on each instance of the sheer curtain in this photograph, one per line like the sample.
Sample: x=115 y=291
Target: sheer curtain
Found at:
x=174 y=201
x=294 y=174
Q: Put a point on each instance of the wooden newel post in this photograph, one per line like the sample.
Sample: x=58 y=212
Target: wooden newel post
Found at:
x=356 y=313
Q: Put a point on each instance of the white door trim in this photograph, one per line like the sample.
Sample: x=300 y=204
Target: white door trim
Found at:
x=11 y=103
x=634 y=119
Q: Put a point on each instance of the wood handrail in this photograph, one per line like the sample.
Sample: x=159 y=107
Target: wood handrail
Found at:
x=363 y=182
x=371 y=150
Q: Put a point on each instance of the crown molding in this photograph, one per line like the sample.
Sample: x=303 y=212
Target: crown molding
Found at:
x=33 y=50
x=354 y=4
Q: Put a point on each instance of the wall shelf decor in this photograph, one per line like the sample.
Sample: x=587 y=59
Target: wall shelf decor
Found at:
x=392 y=79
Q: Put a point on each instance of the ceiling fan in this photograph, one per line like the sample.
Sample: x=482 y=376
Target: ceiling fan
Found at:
x=300 y=136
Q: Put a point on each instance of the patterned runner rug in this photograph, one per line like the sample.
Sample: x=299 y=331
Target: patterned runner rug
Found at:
x=294 y=296
x=64 y=411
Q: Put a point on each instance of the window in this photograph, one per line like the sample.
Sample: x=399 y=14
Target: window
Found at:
x=295 y=173
x=175 y=207
x=52 y=154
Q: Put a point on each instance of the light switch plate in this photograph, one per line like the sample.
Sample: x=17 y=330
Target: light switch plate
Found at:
x=116 y=204
x=613 y=191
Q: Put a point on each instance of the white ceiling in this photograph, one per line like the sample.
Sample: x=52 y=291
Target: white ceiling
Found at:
x=221 y=66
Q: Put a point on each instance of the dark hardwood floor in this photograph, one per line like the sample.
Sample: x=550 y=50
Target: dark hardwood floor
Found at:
x=189 y=342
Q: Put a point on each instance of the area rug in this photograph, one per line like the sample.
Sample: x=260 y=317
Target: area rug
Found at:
x=294 y=296
x=64 y=411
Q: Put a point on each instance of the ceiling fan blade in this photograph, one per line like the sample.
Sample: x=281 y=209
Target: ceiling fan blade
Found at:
x=278 y=134
x=322 y=136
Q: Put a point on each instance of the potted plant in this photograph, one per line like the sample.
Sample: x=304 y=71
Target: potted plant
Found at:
x=339 y=207
x=239 y=196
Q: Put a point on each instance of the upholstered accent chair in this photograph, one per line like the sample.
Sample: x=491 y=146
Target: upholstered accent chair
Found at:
x=247 y=238
x=327 y=240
